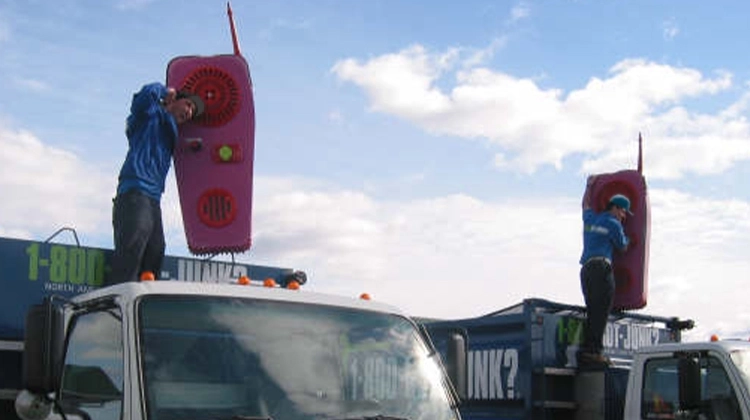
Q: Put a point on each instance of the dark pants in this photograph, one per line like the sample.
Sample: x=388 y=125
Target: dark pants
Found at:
x=598 y=286
x=139 y=236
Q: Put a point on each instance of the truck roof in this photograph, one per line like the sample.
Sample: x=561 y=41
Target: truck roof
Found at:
x=132 y=290
x=720 y=346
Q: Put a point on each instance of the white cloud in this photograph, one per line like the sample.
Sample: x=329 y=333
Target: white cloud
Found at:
x=33 y=85
x=46 y=188
x=480 y=57
x=298 y=24
x=348 y=241
x=698 y=260
x=4 y=31
x=132 y=4
x=536 y=126
x=335 y=116
x=670 y=29
x=287 y=25
x=401 y=83
x=520 y=11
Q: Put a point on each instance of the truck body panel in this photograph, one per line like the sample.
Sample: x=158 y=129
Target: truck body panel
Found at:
x=31 y=270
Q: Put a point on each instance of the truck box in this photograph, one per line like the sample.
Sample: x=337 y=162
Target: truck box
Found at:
x=521 y=364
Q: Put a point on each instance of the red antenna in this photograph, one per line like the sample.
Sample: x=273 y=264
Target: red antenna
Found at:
x=235 y=43
x=640 y=154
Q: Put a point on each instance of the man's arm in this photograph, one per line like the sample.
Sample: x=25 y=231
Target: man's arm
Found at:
x=148 y=98
x=619 y=239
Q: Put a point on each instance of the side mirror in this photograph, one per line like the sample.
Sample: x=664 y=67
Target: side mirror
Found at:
x=456 y=363
x=43 y=347
x=32 y=406
x=689 y=373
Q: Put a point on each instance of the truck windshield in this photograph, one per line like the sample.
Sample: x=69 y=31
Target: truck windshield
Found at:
x=223 y=358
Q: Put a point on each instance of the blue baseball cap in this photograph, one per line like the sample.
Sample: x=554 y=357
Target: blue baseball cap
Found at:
x=622 y=202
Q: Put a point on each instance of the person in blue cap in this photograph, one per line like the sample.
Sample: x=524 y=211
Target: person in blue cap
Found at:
x=155 y=113
x=602 y=234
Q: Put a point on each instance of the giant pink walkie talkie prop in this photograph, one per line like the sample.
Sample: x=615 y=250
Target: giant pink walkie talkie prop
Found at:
x=213 y=156
x=631 y=267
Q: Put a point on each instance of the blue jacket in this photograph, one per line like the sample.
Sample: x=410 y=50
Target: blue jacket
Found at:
x=152 y=132
x=602 y=232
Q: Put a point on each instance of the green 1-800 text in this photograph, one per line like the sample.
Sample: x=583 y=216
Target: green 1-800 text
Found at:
x=66 y=264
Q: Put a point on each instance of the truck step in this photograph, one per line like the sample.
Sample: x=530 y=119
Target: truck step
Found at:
x=553 y=391
x=564 y=405
x=554 y=371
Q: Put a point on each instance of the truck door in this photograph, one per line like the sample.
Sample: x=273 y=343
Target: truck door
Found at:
x=92 y=378
x=661 y=394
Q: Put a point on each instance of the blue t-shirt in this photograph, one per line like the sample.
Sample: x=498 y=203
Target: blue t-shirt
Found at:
x=602 y=232
x=152 y=132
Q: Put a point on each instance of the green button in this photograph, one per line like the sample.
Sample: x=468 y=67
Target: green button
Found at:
x=225 y=153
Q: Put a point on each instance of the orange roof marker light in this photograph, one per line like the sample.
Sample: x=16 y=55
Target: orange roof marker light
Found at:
x=293 y=285
x=269 y=282
x=297 y=276
x=243 y=280
x=365 y=296
x=147 y=276
x=714 y=337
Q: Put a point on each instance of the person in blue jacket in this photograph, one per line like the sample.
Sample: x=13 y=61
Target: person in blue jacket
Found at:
x=155 y=114
x=602 y=234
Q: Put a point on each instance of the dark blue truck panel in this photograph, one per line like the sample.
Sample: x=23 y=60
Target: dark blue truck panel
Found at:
x=521 y=360
x=31 y=270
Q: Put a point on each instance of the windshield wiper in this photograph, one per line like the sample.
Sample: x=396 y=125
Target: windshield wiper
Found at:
x=240 y=417
x=376 y=417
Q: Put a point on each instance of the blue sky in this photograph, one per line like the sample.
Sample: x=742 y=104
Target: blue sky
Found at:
x=431 y=153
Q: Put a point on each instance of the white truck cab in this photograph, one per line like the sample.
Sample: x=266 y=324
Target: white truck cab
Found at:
x=692 y=380
x=171 y=350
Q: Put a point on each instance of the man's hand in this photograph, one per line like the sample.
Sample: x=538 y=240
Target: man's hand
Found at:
x=171 y=95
